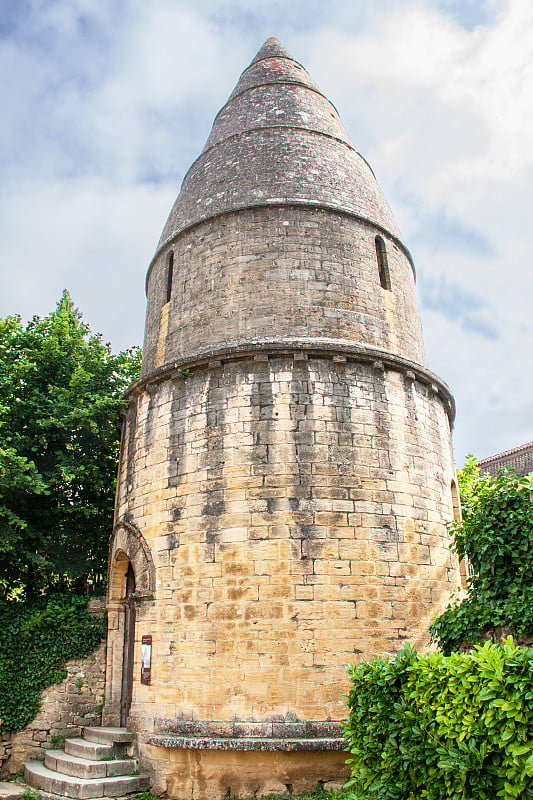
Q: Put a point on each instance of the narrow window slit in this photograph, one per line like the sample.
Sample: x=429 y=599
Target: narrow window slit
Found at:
x=383 y=267
x=170 y=271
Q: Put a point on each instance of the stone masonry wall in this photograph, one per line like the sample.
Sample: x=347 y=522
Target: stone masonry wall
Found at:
x=295 y=509
x=279 y=273
x=215 y=774
x=65 y=709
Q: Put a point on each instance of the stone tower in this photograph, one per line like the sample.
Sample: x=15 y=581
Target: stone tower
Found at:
x=286 y=472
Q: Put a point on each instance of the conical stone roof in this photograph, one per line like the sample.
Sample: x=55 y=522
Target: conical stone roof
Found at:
x=272 y=48
x=277 y=141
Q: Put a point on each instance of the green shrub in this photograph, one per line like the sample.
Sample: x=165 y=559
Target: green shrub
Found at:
x=36 y=641
x=496 y=535
x=437 y=727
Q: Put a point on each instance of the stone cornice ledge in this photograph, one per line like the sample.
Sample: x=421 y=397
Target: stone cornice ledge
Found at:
x=322 y=348
x=170 y=741
x=271 y=735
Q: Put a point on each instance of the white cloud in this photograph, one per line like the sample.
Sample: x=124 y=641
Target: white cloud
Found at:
x=85 y=235
x=446 y=116
x=106 y=104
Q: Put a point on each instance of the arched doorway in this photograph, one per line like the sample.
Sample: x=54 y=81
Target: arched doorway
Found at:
x=131 y=583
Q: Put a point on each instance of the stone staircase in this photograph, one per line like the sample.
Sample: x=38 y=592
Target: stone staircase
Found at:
x=94 y=766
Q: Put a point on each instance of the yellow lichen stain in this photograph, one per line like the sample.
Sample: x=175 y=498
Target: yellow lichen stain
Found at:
x=162 y=339
x=389 y=303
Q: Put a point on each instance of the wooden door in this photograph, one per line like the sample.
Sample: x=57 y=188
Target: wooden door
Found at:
x=129 y=644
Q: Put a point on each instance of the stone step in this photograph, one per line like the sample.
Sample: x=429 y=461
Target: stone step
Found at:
x=40 y=777
x=108 y=735
x=11 y=791
x=90 y=750
x=85 y=768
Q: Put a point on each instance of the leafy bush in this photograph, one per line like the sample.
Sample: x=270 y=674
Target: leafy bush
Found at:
x=36 y=641
x=431 y=727
x=496 y=535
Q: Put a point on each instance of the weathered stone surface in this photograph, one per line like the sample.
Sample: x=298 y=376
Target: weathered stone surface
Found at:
x=286 y=466
x=212 y=774
x=85 y=768
x=91 y=750
x=277 y=140
x=107 y=735
x=239 y=288
x=36 y=774
x=11 y=790
x=263 y=744
x=277 y=729
x=101 y=774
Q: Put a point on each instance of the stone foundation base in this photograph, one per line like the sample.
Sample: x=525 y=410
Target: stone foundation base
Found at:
x=217 y=774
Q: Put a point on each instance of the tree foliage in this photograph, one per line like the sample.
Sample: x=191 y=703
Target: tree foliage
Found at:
x=496 y=536
x=60 y=395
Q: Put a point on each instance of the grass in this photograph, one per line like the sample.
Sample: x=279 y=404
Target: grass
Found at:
x=30 y=794
x=318 y=794
x=17 y=777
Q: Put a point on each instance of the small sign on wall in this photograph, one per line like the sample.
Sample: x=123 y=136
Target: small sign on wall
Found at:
x=146 y=659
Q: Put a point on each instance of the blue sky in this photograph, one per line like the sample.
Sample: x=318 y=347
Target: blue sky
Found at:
x=105 y=103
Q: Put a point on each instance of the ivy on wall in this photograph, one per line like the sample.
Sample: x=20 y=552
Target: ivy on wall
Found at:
x=36 y=641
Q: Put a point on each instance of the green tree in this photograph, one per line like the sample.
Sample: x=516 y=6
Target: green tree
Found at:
x=60 y=396
x=496 y=536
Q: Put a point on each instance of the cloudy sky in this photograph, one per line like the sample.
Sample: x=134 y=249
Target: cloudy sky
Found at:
x=105 y=104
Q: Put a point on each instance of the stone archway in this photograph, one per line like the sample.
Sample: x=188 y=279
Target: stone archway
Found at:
x=130 y=564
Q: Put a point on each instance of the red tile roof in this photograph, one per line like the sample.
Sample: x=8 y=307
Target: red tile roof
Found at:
x=519 y=459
